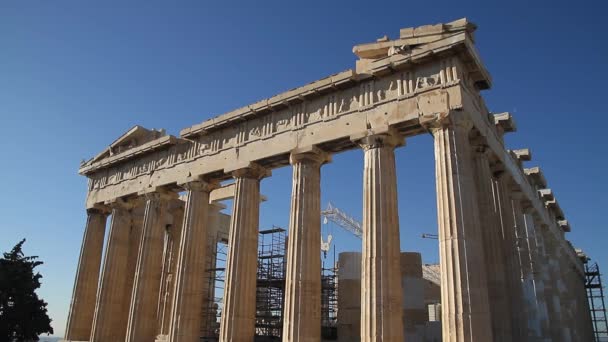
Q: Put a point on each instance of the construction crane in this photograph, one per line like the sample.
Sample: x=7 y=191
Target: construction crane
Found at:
x=430 y=272
x=342 y=219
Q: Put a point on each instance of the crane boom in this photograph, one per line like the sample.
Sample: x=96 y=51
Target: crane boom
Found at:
x=430 y=272
x=342 y=219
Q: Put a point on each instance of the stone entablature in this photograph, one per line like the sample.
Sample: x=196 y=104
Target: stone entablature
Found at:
x=426 y=81
x=302 y=117
x=419 y=84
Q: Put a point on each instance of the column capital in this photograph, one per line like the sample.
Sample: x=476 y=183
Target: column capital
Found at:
x=515 y=190
x=498 y=169
x=158 y=193
x=124 y=203
x=310 y=154
x=100 y=209
x=438 y=121
x=479 y=144
x=526 y=206
x=251 y=170
x=379 y=137
x=200 y=185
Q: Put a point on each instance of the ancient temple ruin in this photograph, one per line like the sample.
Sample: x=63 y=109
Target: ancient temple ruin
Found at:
x=507 y=273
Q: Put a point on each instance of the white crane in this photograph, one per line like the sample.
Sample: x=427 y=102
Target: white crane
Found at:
x=429 y=271
x=342 y=219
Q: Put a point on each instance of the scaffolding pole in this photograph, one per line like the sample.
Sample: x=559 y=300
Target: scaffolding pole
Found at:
x=270 y=284
x=216 y=275
x=595 y=295
x=329 y=303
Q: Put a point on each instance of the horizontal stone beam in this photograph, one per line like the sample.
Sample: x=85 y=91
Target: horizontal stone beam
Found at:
x=396 y=100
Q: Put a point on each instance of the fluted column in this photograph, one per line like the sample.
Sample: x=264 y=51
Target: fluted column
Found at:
x=110 y=316
x=511 y=255
x=537 y=270
x=562 y=272
x=532 y=327
x=302 y=308
x=464 y=292
x=82 y=307
x=209 y=323
x=381 y=291
x=551 y=285
x=143 y=311
x=238 y=316
x=175 y=220
x=491 y=234
x=583 y=315
x=190 y=269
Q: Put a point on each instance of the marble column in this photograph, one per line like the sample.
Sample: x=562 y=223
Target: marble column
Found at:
x=302 y=308
x=381 y=290
x=110 y=315
x=551 y=285
x=82 y=308
x=175 y=219
x=190 y=269
x=511 y=255
x=209 y=323
x=585 y=325
x=532 y=329
x=464 y=291
x=238 y=316
x=143 y=311
x=537 y=270
x=491 y=234
x=562 y=271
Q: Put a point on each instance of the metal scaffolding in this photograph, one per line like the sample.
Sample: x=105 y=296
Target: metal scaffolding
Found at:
x=270 y=284
x=595 y=295
x=270 y=289
x=329 y=303
x=216 y=274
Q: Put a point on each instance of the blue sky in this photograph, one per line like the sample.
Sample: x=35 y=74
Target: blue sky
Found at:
x=76 y=75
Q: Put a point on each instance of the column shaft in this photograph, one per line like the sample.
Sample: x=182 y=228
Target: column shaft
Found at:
x=381 y=291
x=209 y=323
x=112 y=289
x=551 y=286
x=491 y=234
x=532 y=329
x=190 y=269
x=562 y=272
x=464 y=292
x=143 y=312
x=82 y=308
x=170 y=255
x=238 y=316
x=302 y=308
x=537 y=274
x=511 y=255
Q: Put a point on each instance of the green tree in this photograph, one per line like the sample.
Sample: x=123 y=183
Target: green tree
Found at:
x=23 y=315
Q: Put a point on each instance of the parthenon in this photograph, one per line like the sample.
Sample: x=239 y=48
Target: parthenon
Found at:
x=507 y=272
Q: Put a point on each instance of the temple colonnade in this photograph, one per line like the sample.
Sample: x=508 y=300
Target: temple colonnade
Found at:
x=507 y=271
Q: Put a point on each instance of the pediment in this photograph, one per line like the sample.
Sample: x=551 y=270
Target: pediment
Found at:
x=133 y=138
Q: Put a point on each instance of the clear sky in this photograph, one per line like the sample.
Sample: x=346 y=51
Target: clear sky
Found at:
x=76 y=75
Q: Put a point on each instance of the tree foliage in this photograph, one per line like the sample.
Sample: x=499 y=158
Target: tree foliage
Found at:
x=23 y=316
